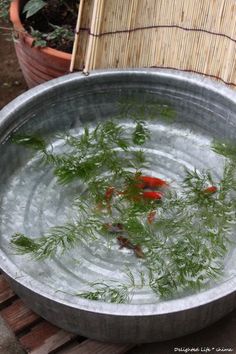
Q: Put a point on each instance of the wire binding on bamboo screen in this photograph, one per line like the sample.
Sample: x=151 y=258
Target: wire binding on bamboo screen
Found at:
x=193 y=35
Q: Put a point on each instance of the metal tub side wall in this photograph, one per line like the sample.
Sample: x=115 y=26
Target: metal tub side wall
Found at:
x=123 y=328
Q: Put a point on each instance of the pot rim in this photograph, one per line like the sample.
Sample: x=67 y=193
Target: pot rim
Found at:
x=219 y=291
x=19 y=28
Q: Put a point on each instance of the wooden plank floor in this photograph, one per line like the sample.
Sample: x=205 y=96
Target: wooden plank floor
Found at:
x=38 y=336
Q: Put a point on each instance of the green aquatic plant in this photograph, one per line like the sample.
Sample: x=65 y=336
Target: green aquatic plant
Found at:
x=183 y=247
x=225 y=148
x=118 y=294
x=145 y=108
x=59 y=238
x=115 y=292
x=33 y=142
x=94 y=151
x=140 y=134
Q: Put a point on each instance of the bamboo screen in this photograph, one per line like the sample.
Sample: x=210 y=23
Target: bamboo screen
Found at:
x=190 y=35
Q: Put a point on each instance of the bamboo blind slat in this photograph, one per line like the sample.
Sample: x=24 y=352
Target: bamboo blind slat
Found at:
x=86 y=17
x=76 y=40
x=193 y=35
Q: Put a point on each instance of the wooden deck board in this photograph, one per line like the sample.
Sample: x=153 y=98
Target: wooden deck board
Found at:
x=91 y=347
x=45 y=337
x=6 y=292
x=18 y=316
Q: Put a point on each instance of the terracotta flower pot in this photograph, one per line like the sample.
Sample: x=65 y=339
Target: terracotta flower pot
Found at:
x=37 y=64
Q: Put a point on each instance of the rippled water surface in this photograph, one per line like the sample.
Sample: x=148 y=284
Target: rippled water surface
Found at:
x=34 y=201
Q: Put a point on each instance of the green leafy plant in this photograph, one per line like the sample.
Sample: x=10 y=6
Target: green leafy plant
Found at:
x=39 y=38
x=58 y=35
x=32 y=7
x=50 y=22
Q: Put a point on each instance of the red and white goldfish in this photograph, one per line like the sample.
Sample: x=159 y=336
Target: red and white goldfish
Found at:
x=152 y=195
x=149 y=182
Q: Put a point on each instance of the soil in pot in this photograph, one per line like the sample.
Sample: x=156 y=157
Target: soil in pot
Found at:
x=53 y=26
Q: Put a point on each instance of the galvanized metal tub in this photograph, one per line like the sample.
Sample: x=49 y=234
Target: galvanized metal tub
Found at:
x=54 y=107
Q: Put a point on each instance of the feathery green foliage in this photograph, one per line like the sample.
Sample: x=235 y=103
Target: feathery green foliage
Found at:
x=93 y=152
x=58 y=238
x=107 y=293
x=140 y=134
x=226 y=149
x=32 y=141
x=184 y=246
x=145 y=108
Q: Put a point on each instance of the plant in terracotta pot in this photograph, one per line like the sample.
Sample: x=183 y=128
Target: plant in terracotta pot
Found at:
x=43 y=36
